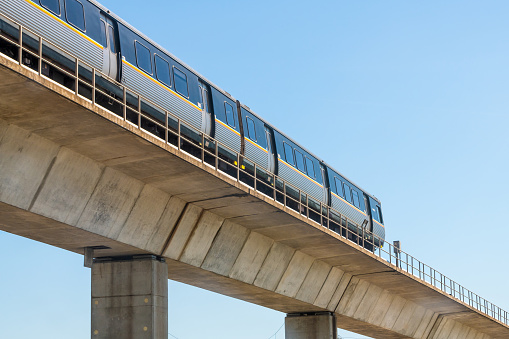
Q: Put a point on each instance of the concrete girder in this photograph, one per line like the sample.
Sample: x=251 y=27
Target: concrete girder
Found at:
x=133 y=194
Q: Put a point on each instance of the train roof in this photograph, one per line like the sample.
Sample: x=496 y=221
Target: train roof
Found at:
x=126 y=24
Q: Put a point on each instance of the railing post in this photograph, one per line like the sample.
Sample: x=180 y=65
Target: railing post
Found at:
x=20 y=55
x=203 y=147
x=300 y=202
x=39 y=66
x=179 y=138
x=124 y=107
x=238 y=167
x=76 y=74
x=139 y=111
x=275 y=188
x=93 y=86
x=284 y=194
x=217 y=155
x=328 y=217
x=255 y=177
x=165 y=126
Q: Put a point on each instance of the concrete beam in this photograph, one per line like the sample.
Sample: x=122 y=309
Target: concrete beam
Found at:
x=130 y=298
x=73 y=175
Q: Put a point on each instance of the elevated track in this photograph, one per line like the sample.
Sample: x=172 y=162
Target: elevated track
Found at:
x=81 y=172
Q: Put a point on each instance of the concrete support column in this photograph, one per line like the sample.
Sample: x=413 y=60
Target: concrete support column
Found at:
x=130 y=298
x=317 y=325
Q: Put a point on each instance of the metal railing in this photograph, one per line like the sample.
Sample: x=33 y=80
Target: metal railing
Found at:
x=86 y=82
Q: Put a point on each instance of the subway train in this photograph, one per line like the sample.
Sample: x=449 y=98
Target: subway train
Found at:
x=125 y=56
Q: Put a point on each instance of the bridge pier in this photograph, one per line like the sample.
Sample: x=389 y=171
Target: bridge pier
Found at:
x=316 y=325
x=130 y=298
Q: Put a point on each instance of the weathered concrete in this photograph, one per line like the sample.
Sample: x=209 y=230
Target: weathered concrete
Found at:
x=73 y=175
x=310 y=326
x=130 y=298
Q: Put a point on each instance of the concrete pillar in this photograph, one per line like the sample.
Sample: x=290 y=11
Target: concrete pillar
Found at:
x=317 y=325
x=130 y=298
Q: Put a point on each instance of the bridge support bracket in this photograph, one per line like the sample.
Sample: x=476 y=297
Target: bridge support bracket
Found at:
x=130 y=297
x=312 y=325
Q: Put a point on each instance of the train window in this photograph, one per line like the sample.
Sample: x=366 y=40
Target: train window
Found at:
x=379 y=210
x=288 y=154
x=111 y=35
x=339 y=187
x=75 y=14
x=104 y=40
x=251 y=130
x=180 y=81
x=52 y=5
x=375 y=214
x=162 y=70
x=355 y=196
x=348 y=192
x=143 y=57
x=299 y=159
x=310 y=168
x=230 y=118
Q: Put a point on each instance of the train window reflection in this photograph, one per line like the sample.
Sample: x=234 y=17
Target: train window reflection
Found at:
x=75 y=14
x=310 y=168
x=348 y=193
x=162 y=70
x=288 y=154
x=104 y=41
x=180 y=81
x=299 y=159
x=251 y=131
x=379 y=210
x=111 y=35
x=143 y=57
x=52 y=5
x=230 y=119
x=355 y=196
x=339 y=187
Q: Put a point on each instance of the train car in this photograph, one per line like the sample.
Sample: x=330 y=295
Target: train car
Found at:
x=207 y=113
x=362 y=210
x=301 y=170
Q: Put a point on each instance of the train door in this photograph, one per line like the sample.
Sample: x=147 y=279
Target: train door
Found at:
x=206 y=124
x=271 y=166
x=369 y=226
x=110 y=59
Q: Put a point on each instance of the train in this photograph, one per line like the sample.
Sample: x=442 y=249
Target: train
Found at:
x=123 y=55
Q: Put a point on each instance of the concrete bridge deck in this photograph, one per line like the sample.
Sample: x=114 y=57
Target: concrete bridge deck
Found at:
x=73 y=175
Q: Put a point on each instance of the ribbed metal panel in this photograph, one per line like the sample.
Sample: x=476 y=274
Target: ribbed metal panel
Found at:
x=227 y=137
x=53 y=30
x=347 y=210
x=290 y=175
x=258 y=156
x=162 y=96
x=378 y=230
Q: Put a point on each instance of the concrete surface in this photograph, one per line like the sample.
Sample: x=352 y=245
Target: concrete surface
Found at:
x=130 y=298
x=74 y=175
x=310 y=326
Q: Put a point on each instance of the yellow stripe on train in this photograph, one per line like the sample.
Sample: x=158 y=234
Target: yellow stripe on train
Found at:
x=64 y=23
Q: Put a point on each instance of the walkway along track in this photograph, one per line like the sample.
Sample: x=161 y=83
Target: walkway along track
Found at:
x=318 y=269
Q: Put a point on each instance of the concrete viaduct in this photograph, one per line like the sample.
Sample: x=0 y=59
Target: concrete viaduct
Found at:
x=76 y=176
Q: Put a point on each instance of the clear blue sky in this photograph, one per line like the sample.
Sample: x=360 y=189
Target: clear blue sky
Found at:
x=408 y=99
